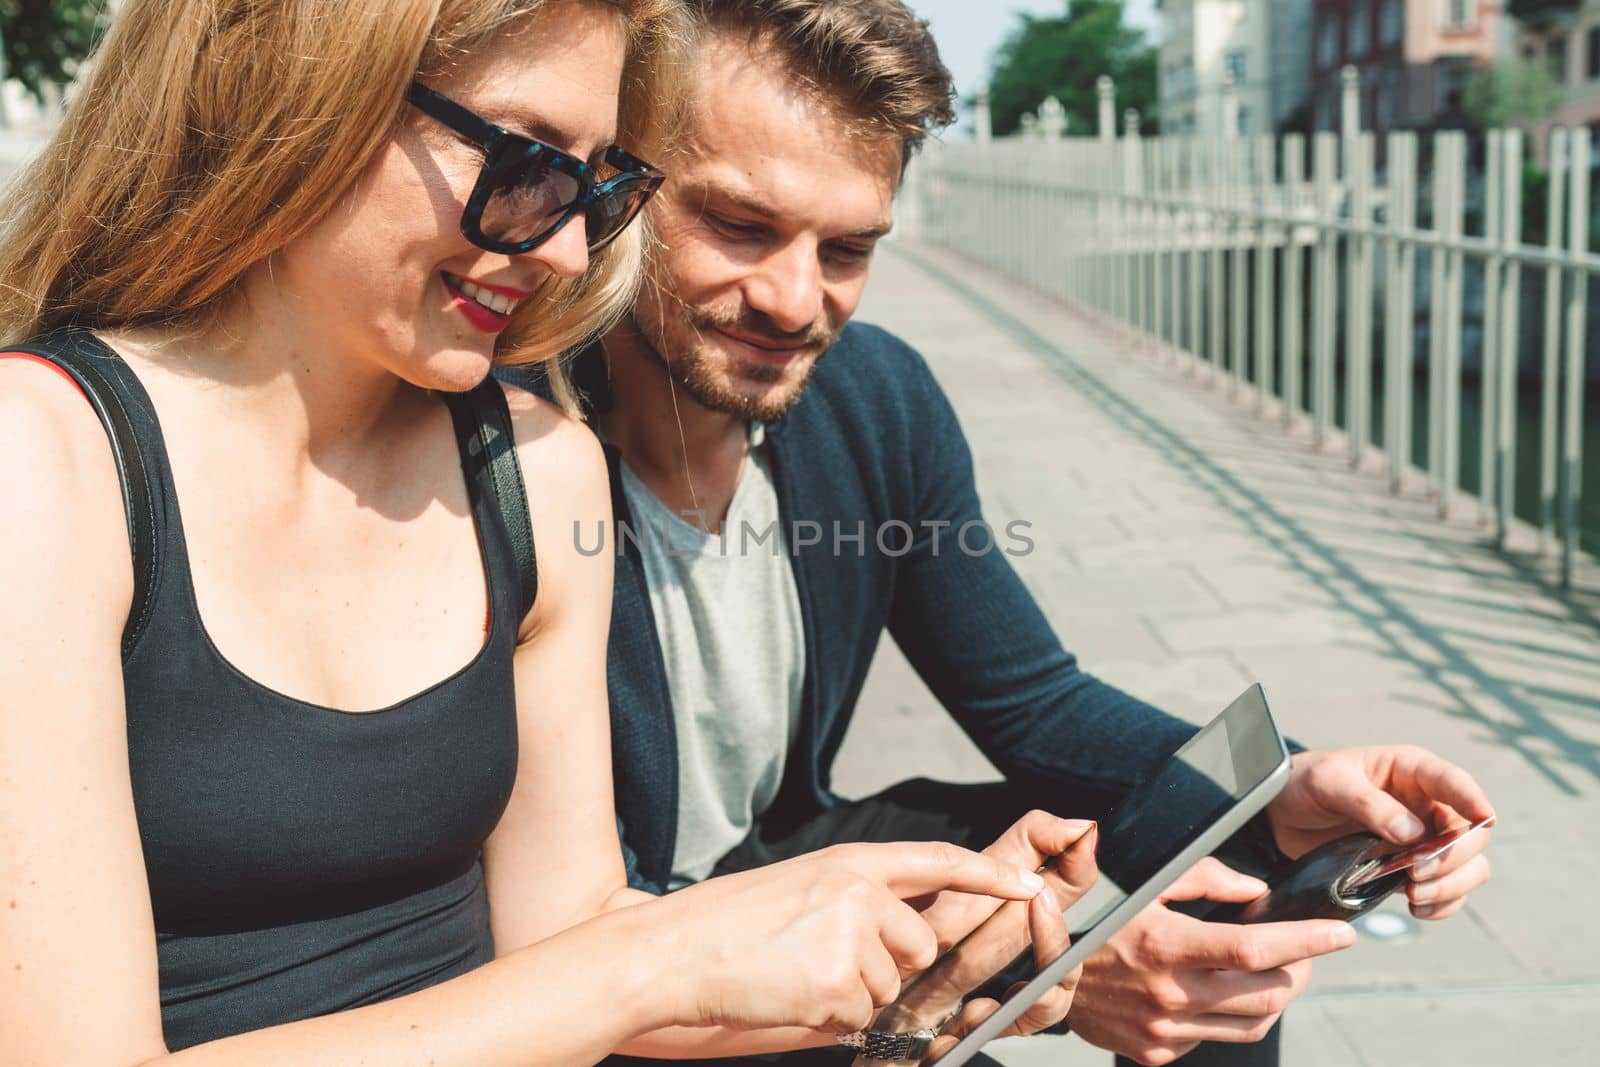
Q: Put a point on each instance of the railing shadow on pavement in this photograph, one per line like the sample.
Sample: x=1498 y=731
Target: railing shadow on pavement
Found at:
x=1530 y=730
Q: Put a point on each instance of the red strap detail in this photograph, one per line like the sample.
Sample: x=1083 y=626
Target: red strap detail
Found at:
x=45 y=362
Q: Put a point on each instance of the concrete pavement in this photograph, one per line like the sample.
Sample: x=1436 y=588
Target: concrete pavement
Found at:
x=1187 y=547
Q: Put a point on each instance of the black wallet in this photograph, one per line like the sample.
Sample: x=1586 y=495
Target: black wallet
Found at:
x=1343 y=879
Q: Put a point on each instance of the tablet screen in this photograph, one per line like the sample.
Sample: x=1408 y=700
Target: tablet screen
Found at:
x=1192 y=790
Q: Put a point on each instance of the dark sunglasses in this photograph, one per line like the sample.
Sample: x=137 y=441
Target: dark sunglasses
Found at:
x=528 y=190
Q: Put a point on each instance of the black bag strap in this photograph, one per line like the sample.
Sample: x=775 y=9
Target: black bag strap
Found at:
x=91 y=364
x=489 y=457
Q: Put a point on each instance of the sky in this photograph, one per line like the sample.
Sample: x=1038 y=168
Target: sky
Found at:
x=969 y=31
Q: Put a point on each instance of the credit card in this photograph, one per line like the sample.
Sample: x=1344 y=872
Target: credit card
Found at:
x=1416 y=855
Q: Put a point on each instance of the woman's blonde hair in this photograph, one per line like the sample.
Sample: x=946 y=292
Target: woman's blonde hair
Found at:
x=209 y=134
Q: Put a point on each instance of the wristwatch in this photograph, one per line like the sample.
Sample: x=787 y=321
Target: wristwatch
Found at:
x=896 y=1048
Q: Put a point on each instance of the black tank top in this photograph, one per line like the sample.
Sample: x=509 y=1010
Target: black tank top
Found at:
x=304 y=860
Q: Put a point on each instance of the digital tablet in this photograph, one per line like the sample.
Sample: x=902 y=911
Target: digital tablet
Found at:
x=1196 y=800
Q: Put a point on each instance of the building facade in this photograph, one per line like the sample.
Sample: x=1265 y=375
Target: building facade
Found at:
x=1414 y=58
x=1253 y=48
x=1564 y=37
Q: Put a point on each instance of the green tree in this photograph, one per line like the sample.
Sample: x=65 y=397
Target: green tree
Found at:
x=1513 y=92
x=1063 y=56
x=46 y=40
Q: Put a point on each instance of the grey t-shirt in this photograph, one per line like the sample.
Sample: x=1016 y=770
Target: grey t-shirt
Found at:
x=728 y=620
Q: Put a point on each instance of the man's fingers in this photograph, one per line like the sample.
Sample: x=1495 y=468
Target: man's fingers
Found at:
x=1264 y=946
x=1443 y=781
x=1038 y=836
x=1234 y=1029
x=1453 y=858
x=911 y=869
x=1352 y=793
x=1451 y=887
x=1210 y=879
x=1247 y=993
x=1435 y=912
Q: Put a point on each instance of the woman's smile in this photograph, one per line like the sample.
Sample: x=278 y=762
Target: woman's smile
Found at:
x=487 y=307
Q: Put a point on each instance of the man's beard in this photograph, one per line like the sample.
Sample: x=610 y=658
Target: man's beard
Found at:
x=710 y=377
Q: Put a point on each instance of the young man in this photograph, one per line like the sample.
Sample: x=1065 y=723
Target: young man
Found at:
x=796 y=486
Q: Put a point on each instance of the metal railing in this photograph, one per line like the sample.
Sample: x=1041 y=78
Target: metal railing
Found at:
x=1230 y=254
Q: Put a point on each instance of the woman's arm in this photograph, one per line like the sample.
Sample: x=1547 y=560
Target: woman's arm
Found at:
x=554 y=859
x=78 y=972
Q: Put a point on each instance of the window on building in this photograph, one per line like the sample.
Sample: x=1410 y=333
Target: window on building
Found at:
x=1234 y=64
x=1452 y=82
x=1592 y=53
x=1556 y=56
x=1391 y=23
x=1328 y=41
x=1244 y=120
x=1360 y=17
x=1459 y=14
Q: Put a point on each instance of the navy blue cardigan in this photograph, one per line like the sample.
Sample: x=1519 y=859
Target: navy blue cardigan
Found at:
x=873 y=441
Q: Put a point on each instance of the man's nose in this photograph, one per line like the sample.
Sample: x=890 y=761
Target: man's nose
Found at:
x=787 y=287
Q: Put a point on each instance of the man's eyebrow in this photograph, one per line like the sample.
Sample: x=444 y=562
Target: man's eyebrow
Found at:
x=871 y=233
x=705 y=191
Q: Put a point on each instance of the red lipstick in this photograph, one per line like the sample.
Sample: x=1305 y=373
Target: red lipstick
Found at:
x=482 y=319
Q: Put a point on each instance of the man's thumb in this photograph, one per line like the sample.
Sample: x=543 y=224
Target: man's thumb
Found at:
x=1211 y=879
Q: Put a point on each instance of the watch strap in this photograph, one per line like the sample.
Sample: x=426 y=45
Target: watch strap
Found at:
x=892 y=1047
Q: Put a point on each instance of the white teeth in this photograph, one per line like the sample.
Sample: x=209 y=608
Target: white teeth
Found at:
x=500 y=305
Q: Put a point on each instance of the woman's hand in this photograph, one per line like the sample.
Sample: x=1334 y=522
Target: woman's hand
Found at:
x=933 y=996
x=821 y=941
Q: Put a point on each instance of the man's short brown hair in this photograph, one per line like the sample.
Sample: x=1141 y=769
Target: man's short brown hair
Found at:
x=874 y=59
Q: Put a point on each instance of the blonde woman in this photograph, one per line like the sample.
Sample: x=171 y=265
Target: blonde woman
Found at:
x=341 y=801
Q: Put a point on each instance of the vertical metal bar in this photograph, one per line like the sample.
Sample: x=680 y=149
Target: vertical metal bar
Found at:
x=1174 y=247
x=1436 y=318
x=1390 y=355
x=1149 y=241
x=1266 y=187
x=1218 y=276
x=1196 y=301
x=1294 y=168
x=1489 y=370
x=1455 y=270
x=1550 y=369
x=1238 y=249
x=1123 y=264
x=1322 y=288
x=1510 y=318
x=1358 y=300
x=1406 y=311
x=1159 y=237
x=1577 y=314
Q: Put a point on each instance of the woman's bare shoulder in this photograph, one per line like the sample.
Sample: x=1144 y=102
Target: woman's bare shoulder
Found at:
x=558 y=453
x=64 y=538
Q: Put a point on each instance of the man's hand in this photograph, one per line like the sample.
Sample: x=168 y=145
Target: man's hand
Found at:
x=1401 y=793
x=1166 y=982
